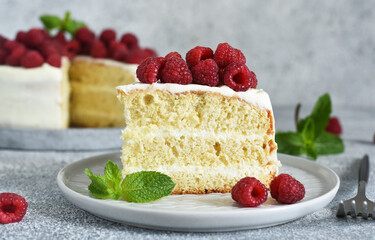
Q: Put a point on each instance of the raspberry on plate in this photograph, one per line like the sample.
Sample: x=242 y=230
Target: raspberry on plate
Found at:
x=13 y=208
x=176 y=71
x=206 y=72
x=238 y=77
x=249 y=192
x=286 y=189
x=334 y=126
x=149 y=70
x=226 y=54
x=197 y=54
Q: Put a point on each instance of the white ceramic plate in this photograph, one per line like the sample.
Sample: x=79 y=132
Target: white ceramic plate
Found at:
x=200 y=213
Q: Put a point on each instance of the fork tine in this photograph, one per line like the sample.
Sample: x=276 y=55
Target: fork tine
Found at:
x=341 y=211
x=370 y=209
x=353 y=209
x=364 y=212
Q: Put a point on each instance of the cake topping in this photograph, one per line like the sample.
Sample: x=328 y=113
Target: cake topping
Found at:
x=224 y=67
x=13 y=208
x=32 y=59
x=249 y=192
x=286 y=189
x=107 y=36
x=148 y=70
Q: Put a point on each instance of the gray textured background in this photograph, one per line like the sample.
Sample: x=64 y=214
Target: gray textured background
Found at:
x=298 y=49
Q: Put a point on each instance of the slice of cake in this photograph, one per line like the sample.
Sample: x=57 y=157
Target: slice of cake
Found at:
x=93 y=95
x=205 y=138
x=34 y=97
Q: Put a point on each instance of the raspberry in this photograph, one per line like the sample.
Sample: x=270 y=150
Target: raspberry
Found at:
x=149 y=70
x=195 y=55
x=34 y=37
x=172 y=54
x=9 y=45
x=130 y=41
x=84 y=35
x=60 y=38
x=225 y=55
x=136 y=56
x=14 y=58
x=118 y=51
x=47 y=49
x=151 y=52
x=107 y=36
x=71 y=48
x=98 y=50
x=238 y=77
x=249 y=192
x=176 y=70
x=206 y=72
x=286 y=189
x=3 y=56
x=2 y=40
x=21 y=37
x=54 y=60
x=334 y=126
x=13 y=208
x=32 y=59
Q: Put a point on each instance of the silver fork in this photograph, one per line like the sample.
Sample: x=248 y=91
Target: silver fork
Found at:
x=360 y=205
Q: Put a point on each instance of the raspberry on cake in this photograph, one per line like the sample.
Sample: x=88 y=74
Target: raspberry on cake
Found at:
x=205 y=138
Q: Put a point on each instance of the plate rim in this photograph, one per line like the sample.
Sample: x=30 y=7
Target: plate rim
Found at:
x=76 y=198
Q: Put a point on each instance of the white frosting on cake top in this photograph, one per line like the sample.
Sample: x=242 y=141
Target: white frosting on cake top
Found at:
x=109 y=62
x=253 y=96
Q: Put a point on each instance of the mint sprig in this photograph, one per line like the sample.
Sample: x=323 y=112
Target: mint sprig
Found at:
x=144 y=186
x=310 y=138
x=66 y=24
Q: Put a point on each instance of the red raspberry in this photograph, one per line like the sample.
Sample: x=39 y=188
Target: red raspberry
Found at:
x=107 y=36
x=47 y=49
x=98 y=50
x=176 y=70
x=238 y=77
x=9 y=45
x=249 y=192
x=71 y=48
x=2 y=40
x=151 y=52
x=60 y=38
x=225 y=55
x=206 y=72
x=32 y=59
x=136 y=56
x=3 y=56
x=34 y=37
x=54 y=60
x=130 y=41
x=149 y=70
x=14 y=58
x=85 y=35
x=195 y=55
x=286 y=189
x=118 y=51
x=334 y=126
x=13 y=208
x=21 y=37
x=172 y=54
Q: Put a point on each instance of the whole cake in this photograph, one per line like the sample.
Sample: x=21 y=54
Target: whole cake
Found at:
x=201 y=121
x=55 y=81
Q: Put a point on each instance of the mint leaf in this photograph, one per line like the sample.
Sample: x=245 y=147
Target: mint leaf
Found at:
x=98 y=187
x=51 y=22
x=146 y=186
x=327 y=143
x=289 y=143
x=113 y=178
x=308 y=131
x=319 y=115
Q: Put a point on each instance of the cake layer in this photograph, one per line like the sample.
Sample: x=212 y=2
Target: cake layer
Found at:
x=93 y=98
x=34 y=97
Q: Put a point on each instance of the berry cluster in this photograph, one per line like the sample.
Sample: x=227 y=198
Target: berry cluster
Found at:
x=13 y=208
x=33 y=48
x=250 y=192
x=225 y=66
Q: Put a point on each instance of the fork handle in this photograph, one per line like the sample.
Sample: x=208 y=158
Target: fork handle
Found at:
x=364 y=169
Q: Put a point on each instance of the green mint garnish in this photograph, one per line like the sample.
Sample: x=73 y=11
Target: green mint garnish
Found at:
x=310 y=137
x=67 y=24
x=144 y=186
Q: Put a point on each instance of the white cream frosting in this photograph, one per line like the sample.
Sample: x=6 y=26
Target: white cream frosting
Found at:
x=109 y=62
x=252 y=96
x=32 y=97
